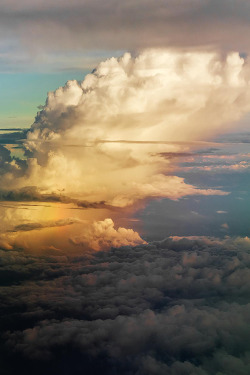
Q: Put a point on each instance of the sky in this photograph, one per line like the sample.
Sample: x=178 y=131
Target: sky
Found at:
x=124 y=189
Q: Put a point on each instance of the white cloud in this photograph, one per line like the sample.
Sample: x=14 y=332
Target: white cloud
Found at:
x=102 y=140
x=102 y=235
x=161 y=96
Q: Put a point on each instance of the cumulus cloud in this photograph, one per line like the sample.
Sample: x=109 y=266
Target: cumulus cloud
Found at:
x=93 y=139
x=178 y=306
x=106 y=142
x=102 y=235
x=159 y=95
x=62 y=228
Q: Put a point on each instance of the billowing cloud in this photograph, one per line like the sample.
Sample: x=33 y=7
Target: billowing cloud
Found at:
x=92 y=139
x=235 y=161
x=108 y=142
x=102 y=235
x=33 y=194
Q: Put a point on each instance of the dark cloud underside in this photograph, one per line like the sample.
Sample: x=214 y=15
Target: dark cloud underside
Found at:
x=165 y=308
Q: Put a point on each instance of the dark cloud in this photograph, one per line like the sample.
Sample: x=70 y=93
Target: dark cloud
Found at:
x=116 y=25
x=49 y=224
x=170 y=307
x=12 y=136
x=33 y=194
x=10 y=164
x=4 y=155
x=235 y=138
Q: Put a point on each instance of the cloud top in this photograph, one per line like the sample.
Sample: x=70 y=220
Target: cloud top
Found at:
x=102 y=143
x=161 y=96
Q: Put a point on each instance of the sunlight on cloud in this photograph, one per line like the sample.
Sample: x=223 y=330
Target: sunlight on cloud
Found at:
x=102 y=139
x=102 y=235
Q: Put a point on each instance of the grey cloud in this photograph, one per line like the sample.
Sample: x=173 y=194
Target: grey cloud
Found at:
x=175 y=307
x=4 y=155
x=9 y=164
x=235 y=138
x=33 y=194
x=49 y=224
x=117 y=25
x=12 y=136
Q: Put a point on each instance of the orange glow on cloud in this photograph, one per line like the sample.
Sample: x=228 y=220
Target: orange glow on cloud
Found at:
x=101 y=140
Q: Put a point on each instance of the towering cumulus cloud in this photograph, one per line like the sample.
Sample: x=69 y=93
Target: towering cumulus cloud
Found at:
x=82 y=291
x=103 y=139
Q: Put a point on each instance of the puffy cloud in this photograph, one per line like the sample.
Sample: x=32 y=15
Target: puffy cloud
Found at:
x=102 y=235
x=103 y=139
x=225 y=226
x=159 y=95
x=177 y=306
x=228 y=159
x=237 y=167
x=62 y=228
x=106 y=142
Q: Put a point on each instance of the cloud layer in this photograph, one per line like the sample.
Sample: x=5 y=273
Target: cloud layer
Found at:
x=116 y=25
x=177 y=306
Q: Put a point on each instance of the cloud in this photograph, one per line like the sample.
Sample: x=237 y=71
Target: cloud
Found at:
x=50 y=224
x=102 y=235
x=114 y=25
x=139 y=102
x=105 y=143
x=33 y=194
x=178 y=305
x=12 y=136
